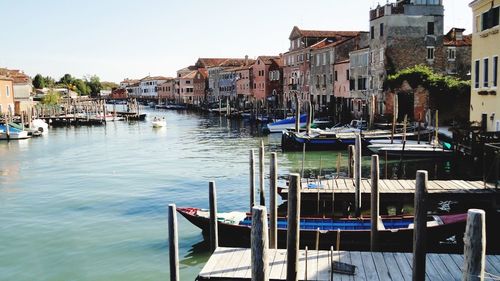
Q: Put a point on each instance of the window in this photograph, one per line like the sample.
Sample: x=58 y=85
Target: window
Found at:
x=324 y=80
x=451 y=53
x=318 y=59
x=495 y=71
x=430 y=28
x=324 y=58
x=430 y=53
x=347 y=73
x=188 y=81
x=336 y=76
x=476 y=74
x=372 y=32
x=486 y=63
x=490 y=18
x=7 y=91
x=381 y=55
x=381 y=30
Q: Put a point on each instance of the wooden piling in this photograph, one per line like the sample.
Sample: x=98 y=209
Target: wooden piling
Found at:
x=309 y=116
x=252 y=178
x=297 y=114
x=259 y=244
x=173 y=243
x=261 y=175
x=214 y=234
x=293 y=234
x=375 y=204
x=350 y=160
x=273 y=209
x=474 y=246
x=357 y=175
x=419 y=227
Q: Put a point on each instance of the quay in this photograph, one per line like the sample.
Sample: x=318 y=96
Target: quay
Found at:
x=234 y=264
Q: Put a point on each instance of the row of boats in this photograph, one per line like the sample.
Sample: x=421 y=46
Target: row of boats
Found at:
x=402 y=141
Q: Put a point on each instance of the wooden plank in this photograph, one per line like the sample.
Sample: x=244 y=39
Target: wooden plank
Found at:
x=432 y=271
x=442 y=269
x=365 y=186
x=336 y=257
x=455 y=271
x=393 y=267
x=233 y=264
x=409 y=258
x=276 y=267
x=388 y=185
x=212 y=262
x=383 y=188
x=360 y=269
x=247 y=263
x=381 y=266
x=369 y=265
x=345 y=257
x=312 y=265
x=404 y=266
x=492 y=267
x=323 y=266
x=435 y=186
x=221 y=266
x=301 y=271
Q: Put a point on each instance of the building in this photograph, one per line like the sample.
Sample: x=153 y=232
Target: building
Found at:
x=148 y=84
x=166 y=90
x=6 y=95
x=267 y=74
x=485 y=103
x=185 y=86
x=244 y=84
x=200 y=85
x=23 y=89
x=343 y=109
x=214 y=67
x=358 y=85
x=128 y=82
x=457 y=51
x=297 y=61
x=227 y=83
x=404 y=34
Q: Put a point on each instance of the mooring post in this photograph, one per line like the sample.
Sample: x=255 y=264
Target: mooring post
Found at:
x=259 y=244
x=420 y=227
x=293 y=234
x=350 y=173
x=273 y=210
x=252 y=178
x=173 y=243
x=374 y=204
x=261 y=174
x=474 y=246
x=309 y=117
x=214 y=233
x=357 y=175
x=297 y=114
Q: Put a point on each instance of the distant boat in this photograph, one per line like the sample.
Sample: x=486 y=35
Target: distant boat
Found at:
x=396 y=231
x=159 y=122
x=285 y=124
x=13 y=133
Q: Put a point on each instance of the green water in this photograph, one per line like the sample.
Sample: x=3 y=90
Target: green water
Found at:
x=90 y=203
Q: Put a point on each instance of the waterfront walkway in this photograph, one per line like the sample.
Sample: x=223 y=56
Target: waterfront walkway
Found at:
x=234 y=264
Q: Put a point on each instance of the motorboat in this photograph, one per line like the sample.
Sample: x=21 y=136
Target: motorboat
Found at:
x=11 y=133
x=159 y=122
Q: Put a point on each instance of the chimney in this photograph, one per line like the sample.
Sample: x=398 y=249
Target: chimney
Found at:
x=246 y=60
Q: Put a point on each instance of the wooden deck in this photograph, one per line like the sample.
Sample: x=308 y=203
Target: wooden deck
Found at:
x=234 y=264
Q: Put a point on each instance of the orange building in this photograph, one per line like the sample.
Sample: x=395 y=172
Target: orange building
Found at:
x=6 y=95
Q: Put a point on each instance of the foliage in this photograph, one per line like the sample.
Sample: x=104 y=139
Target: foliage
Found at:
x=49 y=82
x=109 y=85
x=94 y=84
x=39 y=82
x=81 y=87
x=51 y=98
x=422 y=75
x=67 y=79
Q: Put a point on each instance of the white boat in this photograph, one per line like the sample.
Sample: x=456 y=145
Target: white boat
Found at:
x=13 y=133
x=40 y=125
x=159 y=122
x=414 y=150
x=285 y=124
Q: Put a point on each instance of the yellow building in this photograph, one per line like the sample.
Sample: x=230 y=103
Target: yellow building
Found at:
x=6 y=95
x=485 y=100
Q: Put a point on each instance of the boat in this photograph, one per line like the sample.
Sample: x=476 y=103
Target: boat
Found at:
x=11 y=133
x=332 y=140
x=396 y=232
x=285 y=124
x=411 y=150
x=40 y=125
x=159 y=122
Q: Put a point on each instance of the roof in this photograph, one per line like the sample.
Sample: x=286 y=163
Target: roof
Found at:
x=278 y=61
x=203 y=72
x=129 y=81
x=268 y=59
x=342 y=62
x=328 y=43
x=323 y=33
x=154 y=78
x=189 y=75
x=223 y=62
x=5 y=78
x=17 y=76
x=450 y=39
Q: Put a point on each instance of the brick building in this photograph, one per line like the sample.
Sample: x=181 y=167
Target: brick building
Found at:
x=267 y=77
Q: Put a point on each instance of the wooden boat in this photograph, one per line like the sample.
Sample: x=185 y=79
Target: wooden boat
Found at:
x=11 y=133
x=396 y=235
x=411 y=150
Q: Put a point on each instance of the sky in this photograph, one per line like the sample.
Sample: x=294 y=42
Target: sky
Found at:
x=117 y=39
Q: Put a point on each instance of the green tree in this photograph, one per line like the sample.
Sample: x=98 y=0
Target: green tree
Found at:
x=94 y=84
x=67 y=79
x=51 y=98
x=49 y=82
x=109 y=85
x=39 y=82
x=81 y=87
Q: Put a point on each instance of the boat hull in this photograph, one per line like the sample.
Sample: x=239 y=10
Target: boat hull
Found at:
x=231 y=235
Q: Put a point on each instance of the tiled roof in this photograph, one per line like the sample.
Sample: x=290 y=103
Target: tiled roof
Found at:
x=210 y=62
x=129 y=81
x=17 y=76
x=326 y=43
x=450 y=39
x=268 y=59
x=326 y=33
x=189 y=75
x=5 y=78
x=203 y=72
x=153 y=78
x=278 y=61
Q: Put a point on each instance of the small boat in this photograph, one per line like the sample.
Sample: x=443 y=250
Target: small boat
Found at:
x=40 y=125
x=411 y=150
x=396 y=232
x=285 y=124
x=159 y=122
x=12 y=133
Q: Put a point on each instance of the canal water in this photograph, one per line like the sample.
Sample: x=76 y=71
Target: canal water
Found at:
x=90 y=203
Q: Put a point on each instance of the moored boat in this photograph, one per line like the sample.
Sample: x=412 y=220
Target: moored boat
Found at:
x=396 y=232
x=159 y=122
x=11 y=133
x=411 y=150
x=285 y=124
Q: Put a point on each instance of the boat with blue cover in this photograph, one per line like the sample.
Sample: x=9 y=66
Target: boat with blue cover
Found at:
x=396 y=232
x=12 y=133
x=285 y=124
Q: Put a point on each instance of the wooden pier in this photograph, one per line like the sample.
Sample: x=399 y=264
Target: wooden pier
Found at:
x=234 y=264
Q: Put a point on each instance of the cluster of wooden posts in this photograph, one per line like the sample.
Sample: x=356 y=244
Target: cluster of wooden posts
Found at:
x=264 y=227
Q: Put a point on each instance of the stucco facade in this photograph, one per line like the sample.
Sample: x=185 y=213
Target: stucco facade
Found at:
x=6 y=96
x=485 y=101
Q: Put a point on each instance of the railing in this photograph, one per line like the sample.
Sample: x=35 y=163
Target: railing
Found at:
x=491 y=163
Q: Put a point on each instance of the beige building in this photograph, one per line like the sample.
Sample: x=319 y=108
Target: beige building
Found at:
x=485 y=102
x=6 y=95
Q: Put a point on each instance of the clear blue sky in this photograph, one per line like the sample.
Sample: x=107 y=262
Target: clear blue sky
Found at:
x=115 y=39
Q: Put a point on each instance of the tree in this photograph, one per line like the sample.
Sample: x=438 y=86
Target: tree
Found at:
x=67 y=79
x=109 y=85
x=94 y=83
x=49 y=82
x=38 y=82
x=51 y=98
x=81 y=87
